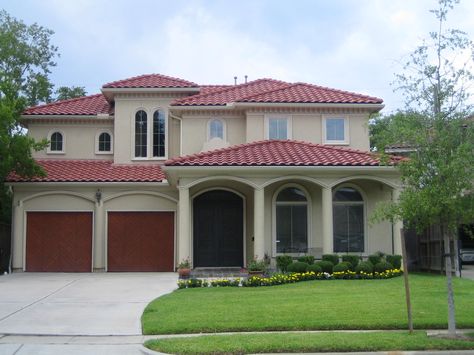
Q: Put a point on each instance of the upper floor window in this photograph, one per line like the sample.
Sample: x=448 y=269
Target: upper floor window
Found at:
x=141 y=134
x=335 y=130
x=216 y=129
x=57 y=143
x=159 y=134
x=104 y=143
x=278 y=128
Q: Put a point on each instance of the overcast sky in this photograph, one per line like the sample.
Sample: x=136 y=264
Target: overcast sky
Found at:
x=354 y=45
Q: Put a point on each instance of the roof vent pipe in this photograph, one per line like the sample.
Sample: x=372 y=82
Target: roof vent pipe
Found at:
x=246 y=79
x=235 y=80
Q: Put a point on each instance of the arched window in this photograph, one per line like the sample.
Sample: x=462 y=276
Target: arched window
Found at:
x=291 y=221
x=141 y=131
x=348 y=221
x=104 y=142
x=216 y=129
x=57 y=143
x=159 y=133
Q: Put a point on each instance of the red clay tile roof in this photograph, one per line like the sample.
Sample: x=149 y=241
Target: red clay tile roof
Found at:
x=280 y=153
x=93 y=171
x=151 y=81
x=231 y=93
x=87 y=105
x=273 y=91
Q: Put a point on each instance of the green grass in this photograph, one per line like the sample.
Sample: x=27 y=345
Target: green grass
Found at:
x=310 y=305
x=305 y=342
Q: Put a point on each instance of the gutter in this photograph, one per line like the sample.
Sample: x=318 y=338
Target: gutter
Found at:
x=88 y=183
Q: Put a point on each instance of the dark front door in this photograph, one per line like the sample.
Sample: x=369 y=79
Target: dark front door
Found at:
x=218 y=229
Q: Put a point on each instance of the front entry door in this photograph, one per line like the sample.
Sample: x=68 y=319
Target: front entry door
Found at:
x=218 y=229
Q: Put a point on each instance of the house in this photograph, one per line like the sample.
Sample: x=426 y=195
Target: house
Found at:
x=156 y=169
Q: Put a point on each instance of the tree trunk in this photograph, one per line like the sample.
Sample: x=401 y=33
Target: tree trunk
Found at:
x=449 y=281
x=407 y=285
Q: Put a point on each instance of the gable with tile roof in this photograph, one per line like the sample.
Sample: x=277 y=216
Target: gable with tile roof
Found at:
x=232 y=172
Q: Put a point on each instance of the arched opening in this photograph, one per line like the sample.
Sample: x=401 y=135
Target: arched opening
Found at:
x=218 y=229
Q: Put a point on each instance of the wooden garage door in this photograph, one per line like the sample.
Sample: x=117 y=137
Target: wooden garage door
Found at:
x=59 y=241
x=140 y=241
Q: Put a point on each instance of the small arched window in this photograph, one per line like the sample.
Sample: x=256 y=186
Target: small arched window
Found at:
x=159 y=134
x=105 y=142
x=216 y=129
x=291 y=221
x=141 y=131
x=57 y=143
x=348 y=221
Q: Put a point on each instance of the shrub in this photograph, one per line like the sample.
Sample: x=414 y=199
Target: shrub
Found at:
x=365 y=266
x=283 y=261
x=256 y=265
x=383 y=266
x=298 y=266
x=375 y=259
x=343 y=266
x=315 y=268
x=308 y=259
x=325 y=265
x=395 y=260
x=333 y=258
x=352 y=259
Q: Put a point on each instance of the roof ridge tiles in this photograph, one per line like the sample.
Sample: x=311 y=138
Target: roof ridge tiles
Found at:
x=112 y=83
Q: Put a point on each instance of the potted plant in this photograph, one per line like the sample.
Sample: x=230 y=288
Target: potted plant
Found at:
x=184 y=269
x=256 y=266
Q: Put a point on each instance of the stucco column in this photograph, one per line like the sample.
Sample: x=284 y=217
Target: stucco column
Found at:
x=258 y=223
x=397 y=226
x=99 y=237
x=184 y=231
x=17 y=237
x=327 y=220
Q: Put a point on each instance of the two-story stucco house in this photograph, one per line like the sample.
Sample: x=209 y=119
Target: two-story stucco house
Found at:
x=156 y=169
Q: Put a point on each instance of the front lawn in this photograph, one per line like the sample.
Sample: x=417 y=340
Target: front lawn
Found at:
x=310 y=305
x=305 y=342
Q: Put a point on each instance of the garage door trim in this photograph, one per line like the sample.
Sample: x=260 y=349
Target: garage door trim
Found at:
x=132 y=211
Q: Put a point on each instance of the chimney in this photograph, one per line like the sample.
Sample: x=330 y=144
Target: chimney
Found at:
x=246 y=79
x=235 y=80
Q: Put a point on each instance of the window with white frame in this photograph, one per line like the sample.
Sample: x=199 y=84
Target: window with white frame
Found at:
x=216 y=129
x=291 y=221
x=56 y=142
x=104 y=143
x=348 y=221
x=159 y=134
x=278 y=128
x=335 y=130
x=141 y=134
x=150 y=135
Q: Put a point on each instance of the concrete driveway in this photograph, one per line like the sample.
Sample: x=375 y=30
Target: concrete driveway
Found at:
x=78 y=304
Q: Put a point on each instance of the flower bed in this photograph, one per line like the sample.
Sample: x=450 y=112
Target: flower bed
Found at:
x=281 y=279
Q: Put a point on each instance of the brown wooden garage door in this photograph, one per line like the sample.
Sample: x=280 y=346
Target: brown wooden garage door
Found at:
x=140 y=241
x=59 y=241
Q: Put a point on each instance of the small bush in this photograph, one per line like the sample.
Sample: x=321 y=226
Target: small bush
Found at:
x=315 y=268
x=375 y=259
x=352 y=259
x=365 y=266
x=343 y=266
x=383 y=266
x=333 y=258
x=298 y=266
x=325 y=265
x=308 y=259
x=395 y=260
x=283 y=261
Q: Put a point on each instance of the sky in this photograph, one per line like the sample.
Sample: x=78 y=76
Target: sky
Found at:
x=354 y=45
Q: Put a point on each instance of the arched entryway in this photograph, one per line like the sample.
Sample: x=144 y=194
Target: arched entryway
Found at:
x=218 y=229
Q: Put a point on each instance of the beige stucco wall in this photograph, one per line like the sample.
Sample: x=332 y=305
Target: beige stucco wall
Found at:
x=79 y=139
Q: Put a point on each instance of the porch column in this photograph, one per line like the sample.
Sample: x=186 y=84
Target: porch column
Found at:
x=327 y=221
x=184 y=231
x=258 y=223
x=18 y=237
x=99 y=237
x=397 y=240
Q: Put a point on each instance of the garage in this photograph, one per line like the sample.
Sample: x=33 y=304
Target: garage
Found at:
x=140 y=241
x=59 y=241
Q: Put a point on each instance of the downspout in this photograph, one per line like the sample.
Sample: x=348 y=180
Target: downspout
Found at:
x=180 y=131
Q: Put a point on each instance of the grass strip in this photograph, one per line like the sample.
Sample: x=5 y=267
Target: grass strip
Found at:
x=307 y=342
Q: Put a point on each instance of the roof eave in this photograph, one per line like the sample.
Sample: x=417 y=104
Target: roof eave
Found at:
x=110 y=92
x=372 y=107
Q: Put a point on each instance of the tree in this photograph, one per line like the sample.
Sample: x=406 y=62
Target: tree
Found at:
x=438 y=177
x=65 y=93
x=26 y=58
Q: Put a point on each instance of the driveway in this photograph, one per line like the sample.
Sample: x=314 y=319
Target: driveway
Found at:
x=78 y=304
x=467 y=271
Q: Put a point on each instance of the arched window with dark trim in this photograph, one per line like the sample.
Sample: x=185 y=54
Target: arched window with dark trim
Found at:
x=141 y=132
x=56 y=144
x=348 y=221
x=291 y=221
x=159 y=134
x=105 y=142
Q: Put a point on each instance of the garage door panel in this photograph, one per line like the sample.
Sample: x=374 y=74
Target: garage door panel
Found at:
x=140 y=241
x=59 y=241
